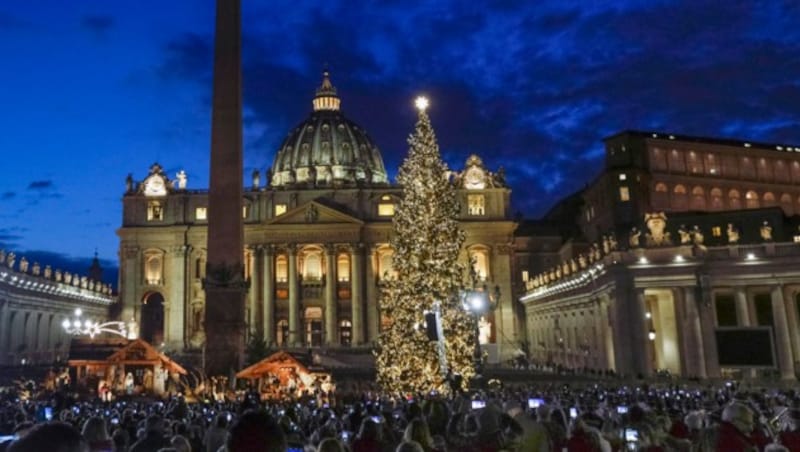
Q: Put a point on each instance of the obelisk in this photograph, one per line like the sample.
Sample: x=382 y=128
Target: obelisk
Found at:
x=224 y=284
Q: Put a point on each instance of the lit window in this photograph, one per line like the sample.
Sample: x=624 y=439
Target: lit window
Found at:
x=716 y=231
x=245 y=211
x=623 y=177
x=281 y=269
x=312 y=268
x=386 y=209
x=200 y=213
x=280 y=209
x=155 y=211
x=624 y=194
x=797 y=239
x=343 y=268
x=152 y=267
x=476 y=205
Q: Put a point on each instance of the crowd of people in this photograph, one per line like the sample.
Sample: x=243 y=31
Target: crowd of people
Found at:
x=547 y=417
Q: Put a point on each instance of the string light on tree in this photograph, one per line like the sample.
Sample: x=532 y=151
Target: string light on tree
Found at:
x=427 y=241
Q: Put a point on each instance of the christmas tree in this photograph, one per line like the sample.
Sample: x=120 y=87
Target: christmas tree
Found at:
x=426 y=244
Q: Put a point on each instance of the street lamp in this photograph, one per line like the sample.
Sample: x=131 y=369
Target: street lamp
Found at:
x=478 y=300
x=79 y=326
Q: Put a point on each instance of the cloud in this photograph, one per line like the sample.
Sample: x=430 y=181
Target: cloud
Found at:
x=40 y=185
x=7 y=195
x=99 y=25
x=532 y=87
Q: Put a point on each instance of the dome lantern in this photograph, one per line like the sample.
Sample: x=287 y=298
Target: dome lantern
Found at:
x=326 y=98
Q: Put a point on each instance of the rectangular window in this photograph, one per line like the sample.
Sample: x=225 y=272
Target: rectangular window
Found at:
x=624 y=194
x=716 y=231
x=797 y=239
x=726 y=310
x=200 y=213
x=155 y=211
x=476 y=205
x=623 y=176
x=763 y=305
x=386 y=210
x=245 y=211
x=280 y=209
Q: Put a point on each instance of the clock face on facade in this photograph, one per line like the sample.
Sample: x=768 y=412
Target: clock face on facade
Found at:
x=155 y=186
x=474 y=178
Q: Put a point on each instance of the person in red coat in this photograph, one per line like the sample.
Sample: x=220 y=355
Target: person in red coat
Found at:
x=733 y=432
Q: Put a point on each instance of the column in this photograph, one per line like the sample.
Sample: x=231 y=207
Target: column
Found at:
x=268 y=277
x=331 y=314
x=356 y=268
x=791 y=315
x=783 y=345
x=373 y=307
x=707 y=325
x=506 y=335
x=644 y=361
x=742 y=310
x=251 y=310
x=5 y=330
x=294 y=332
x=131 y=264
x=600 y=325
x=693 y=336
x=175 y=308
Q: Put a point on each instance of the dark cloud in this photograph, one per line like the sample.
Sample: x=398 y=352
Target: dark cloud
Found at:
x=99 y=25
x=7 y=195
x=40 y=185
x=188 y=57
x=533 y=87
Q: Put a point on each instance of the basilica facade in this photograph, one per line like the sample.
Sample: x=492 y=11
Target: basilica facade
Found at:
x=317 y=228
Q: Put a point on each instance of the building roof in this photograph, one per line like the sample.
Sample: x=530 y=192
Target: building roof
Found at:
x=705 y=140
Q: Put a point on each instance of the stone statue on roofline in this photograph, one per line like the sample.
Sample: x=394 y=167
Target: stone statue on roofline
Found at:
x=766 y=231
x=686 y=237
x=656 y=224
x=633 y=238
x=733 y=234
x=10 y=259
x=23 y=265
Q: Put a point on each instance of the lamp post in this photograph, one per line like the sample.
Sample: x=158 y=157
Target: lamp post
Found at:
x=477 y=299
x=79 y=326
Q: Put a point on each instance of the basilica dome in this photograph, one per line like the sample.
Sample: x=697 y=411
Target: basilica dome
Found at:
x=327 y=149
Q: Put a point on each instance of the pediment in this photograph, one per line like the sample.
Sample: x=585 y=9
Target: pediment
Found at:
x=314 y=212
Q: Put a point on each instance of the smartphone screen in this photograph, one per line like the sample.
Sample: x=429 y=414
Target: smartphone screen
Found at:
x=573 y=412
x=478 y=404
x=48 y=413
x=622 y=409
x=535 y=403
x=631 y=435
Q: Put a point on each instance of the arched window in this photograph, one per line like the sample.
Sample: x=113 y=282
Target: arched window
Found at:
x=679 y=198
x=746 y=168
x=155 y=211
x=385 y=268
x=661 y=195
x=769 y=199
x=281 y=269
x=698 y=198
x=751 y=199
x=345 y=332
x=676 y=163
x=795 y=172
x=658 y=159
x=695 y=163
x=712 y=165
x=781 y=172
x=716 y=199
x=153 y=267
x=734 y=200
x=479 y=258
x=343 y=267
x=764 y=169
x=312 y=265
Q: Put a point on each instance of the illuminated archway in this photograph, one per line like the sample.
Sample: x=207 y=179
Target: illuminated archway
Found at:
x=152 y=320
